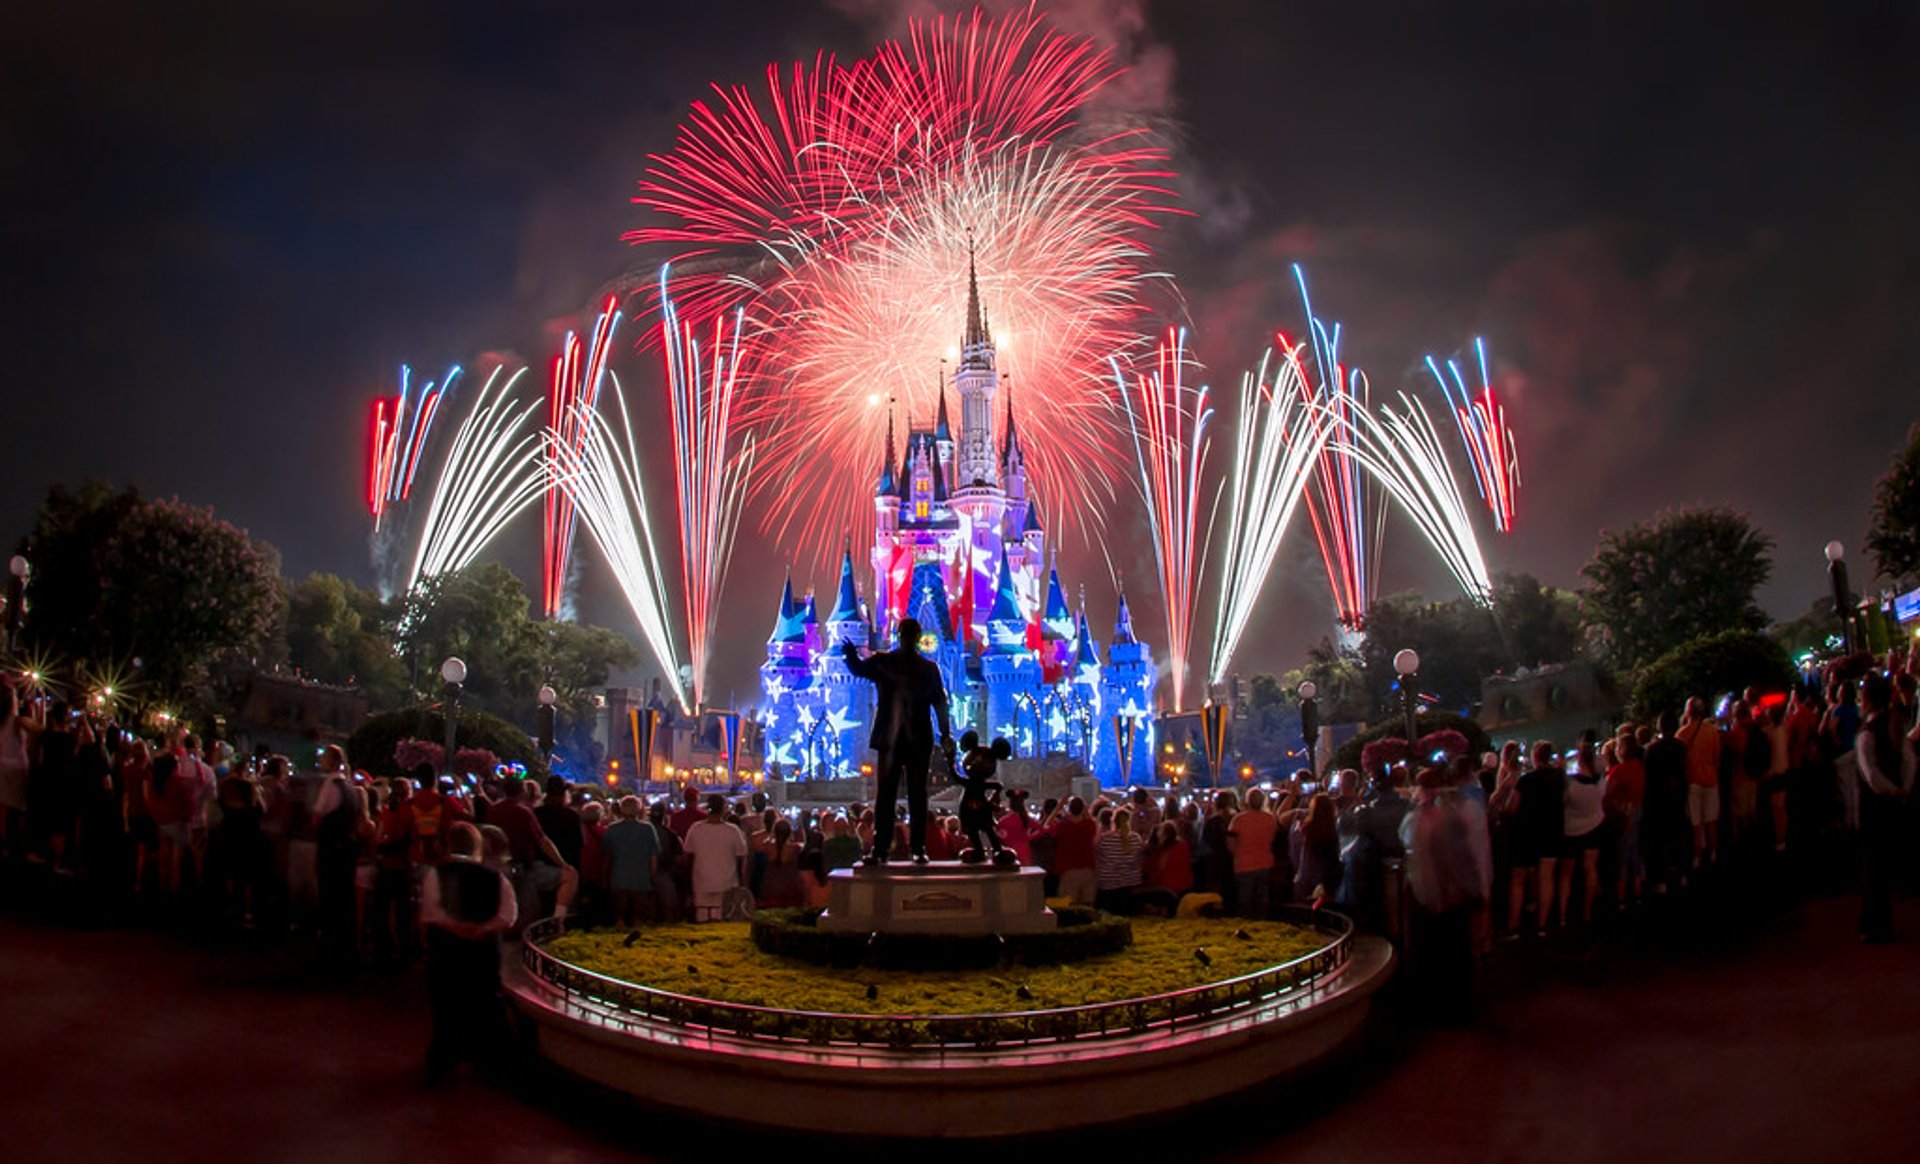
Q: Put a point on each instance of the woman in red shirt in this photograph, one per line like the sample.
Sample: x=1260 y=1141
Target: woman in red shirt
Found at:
x=1169 y=859
x=1625 y=794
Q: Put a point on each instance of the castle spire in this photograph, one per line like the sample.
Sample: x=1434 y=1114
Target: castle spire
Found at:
x=941 y=430
x=846 y=607
x=1123 y=622
x=889 y=483
x=976 y=319
x=1012 y=440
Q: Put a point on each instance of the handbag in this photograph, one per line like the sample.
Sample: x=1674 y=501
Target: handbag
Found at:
x=737 y=904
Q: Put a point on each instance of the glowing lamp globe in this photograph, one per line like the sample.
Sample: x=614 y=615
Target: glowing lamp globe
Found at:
x=454 y=670
x=1406 y=662
x=17 y=566
x=548 y=696
x=1308 y=690
x=1835 y=551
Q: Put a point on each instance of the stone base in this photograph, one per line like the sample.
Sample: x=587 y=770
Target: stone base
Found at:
x=945 y=897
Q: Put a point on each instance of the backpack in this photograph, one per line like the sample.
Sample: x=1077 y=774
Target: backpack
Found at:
x=428 y=831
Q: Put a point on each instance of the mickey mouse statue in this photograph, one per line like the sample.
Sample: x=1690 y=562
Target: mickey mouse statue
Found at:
x=979 y=798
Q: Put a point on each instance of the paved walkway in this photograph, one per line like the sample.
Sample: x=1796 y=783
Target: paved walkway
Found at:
x=1706 y=1035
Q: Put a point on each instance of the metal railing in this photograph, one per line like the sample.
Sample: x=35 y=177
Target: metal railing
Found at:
x=631 y=1005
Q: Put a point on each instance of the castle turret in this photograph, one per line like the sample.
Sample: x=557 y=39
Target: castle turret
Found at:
x=886 y=495
x=1126 y=704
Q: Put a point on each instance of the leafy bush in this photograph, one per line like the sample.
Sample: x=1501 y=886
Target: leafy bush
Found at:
x=1083 y=933
x=1437 y=731
x=1710 y=666
x=376 y=746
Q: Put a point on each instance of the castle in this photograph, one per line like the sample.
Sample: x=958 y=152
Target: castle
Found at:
x=959 y=546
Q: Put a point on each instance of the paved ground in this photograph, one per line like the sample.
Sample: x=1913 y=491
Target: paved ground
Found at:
x=1711 y=1033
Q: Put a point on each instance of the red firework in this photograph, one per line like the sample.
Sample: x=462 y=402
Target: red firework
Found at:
x=835 y=209
x=577 y=374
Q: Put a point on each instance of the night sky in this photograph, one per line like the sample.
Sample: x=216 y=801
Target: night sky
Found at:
x=1687 y=232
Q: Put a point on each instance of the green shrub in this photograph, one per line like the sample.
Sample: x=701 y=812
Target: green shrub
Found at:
x=1083 y=933
x=372 y=746
x=1428 y=722
x=1708 y=667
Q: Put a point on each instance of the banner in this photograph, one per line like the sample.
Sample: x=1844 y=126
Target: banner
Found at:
x=729 y=741
x=1124 y=727
x=1213 y=726
x=645 y=722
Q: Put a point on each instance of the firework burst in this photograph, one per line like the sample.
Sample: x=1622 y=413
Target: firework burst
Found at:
x=1403 y=452
x=711 y=470
x=397 y=433
x=1484 y=434
x=1278 y=447
x=836 y=210
x=573 y=394
x=492 y=472
x=599 y=468
x=1168 y=423
x=1347 y=519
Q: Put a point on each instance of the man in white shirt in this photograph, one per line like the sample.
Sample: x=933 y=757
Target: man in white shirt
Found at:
x=719 y=852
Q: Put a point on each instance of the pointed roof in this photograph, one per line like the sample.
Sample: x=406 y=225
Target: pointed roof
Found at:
x=1056 y=600
x=1006 y=600
x=789 y=627
x=1011 y=440
x=1032 y=523
x=939 y=470
x=889 y=483
x=942 y=431
x=1085 y=653
x=846 y=606
x=1123 y=621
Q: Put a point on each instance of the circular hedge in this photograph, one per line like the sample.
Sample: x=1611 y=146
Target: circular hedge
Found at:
x=1427 y=723
x=1083 y=933
x=372 y=746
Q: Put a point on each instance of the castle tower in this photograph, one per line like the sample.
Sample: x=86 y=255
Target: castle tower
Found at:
x=1126 y=697
x=976 y=381
x=785 y=681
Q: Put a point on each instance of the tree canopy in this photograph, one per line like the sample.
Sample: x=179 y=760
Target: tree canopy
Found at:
x=157 y=586
x=1893 y=532
x=1687 y=574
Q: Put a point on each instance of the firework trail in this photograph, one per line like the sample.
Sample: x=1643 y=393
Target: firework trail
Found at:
x=711 y=477
x=1168 y=423
x=1402 y=451
x=599 y=468
x=1281 y=440
x=1484 y=433
x=1347 y=521
x=397 y=435
x=835 y=208
x=573 y=394
x=492 y=472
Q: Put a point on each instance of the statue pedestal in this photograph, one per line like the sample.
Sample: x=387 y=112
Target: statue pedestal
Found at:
x=946 y=897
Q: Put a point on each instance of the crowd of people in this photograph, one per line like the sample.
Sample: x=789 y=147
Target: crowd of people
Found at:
x=375 y=870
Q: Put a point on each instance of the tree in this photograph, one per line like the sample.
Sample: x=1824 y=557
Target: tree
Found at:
x=1709 y=667
x=482 y=615
x=1690 y=573
x=1340 y=677
x=340 y=633
x=1893 y=532
x=118 y=579
x=1541 y=624
x=1458 y=644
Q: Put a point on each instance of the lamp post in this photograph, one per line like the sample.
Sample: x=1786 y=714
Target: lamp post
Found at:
x=544 y=721
x=1310 y=724
x=1842 y=599
x=454 y=671
x=17 y=571
x=1406 y=664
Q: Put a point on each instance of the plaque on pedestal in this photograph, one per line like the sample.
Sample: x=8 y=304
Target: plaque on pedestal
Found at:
x=946 y=897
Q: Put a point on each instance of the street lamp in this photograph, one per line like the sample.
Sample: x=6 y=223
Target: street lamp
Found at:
x=1310 y=723
x=1842 y=602
x=1406 y=664
x=544 y=721
x=454 y=671
x=17 y=570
